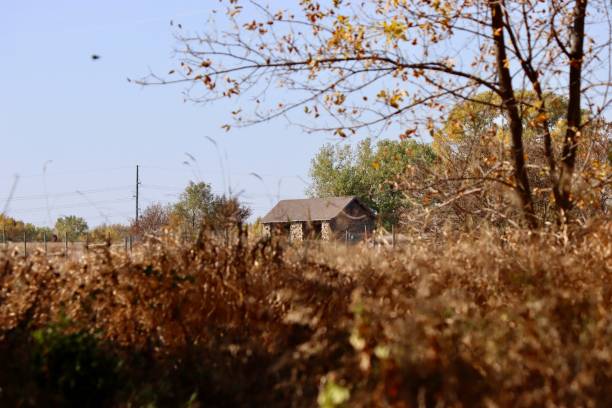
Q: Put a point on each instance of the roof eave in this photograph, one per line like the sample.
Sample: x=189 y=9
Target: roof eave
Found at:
x=288 y=221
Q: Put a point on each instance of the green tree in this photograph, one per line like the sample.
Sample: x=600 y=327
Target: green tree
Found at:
x=198 y=205
x=369 y=172
x=194 y=204
x=38 y=234
x=71 y=226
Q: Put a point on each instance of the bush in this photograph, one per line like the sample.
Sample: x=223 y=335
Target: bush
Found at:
x=513 y=319
x=72 y=368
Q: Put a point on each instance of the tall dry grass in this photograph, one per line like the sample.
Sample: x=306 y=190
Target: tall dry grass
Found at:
x=479 y=319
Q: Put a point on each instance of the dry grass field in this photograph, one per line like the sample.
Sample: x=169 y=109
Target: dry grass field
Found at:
x=478 y=319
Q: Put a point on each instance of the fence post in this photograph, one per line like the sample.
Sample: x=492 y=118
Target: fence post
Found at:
x=25 y=244
x=86 y=242
x=4 y=237
x=126 y=243
x=45 y=241
x=66 y=244
x=393 y=235
x=365 y=233
x=130 y=243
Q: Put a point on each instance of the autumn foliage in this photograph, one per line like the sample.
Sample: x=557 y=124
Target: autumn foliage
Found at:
x=397 y=67
x=512 y=319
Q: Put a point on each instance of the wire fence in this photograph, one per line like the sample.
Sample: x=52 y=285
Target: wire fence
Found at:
x=63 y=248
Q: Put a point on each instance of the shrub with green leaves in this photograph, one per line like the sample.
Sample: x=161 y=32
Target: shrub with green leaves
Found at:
x=73 y=367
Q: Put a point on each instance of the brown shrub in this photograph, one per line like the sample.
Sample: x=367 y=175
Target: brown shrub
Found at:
x=516 y=320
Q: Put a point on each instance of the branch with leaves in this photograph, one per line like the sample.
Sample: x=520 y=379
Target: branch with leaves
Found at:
x=384 y=66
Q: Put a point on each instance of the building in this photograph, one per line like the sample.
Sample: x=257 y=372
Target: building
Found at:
x=345 y=218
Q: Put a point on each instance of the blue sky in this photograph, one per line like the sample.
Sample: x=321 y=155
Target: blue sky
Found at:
x=58 y=105
x=82 y=121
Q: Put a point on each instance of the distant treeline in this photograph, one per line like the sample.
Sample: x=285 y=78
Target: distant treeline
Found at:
x=196 y=205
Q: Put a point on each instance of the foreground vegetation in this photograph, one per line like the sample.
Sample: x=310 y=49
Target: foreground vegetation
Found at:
x=518 y=319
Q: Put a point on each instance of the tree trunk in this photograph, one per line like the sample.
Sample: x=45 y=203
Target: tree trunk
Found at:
x=549 y=151
x=570 y=143
x=511 y=107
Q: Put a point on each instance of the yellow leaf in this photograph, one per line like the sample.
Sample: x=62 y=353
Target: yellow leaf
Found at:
x=394 y=30
x=395 y=100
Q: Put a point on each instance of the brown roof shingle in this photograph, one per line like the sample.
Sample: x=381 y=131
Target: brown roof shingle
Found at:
x=307 y=209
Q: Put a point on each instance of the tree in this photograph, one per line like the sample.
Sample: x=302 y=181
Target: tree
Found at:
x=369 y=172
x=193 y=206
x=473 y=149
x=227 y=211
x=14 y=230
x=469 y=125
x=153 y=219
x=397 y=62
x=198 y=205
x=71 y=226
x=110 y=232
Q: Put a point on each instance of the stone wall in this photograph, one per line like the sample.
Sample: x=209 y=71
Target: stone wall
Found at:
x=326 y=231
x=296 y=232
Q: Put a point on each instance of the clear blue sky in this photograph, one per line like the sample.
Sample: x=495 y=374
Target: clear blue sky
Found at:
x=57 y=104
x=89 y=127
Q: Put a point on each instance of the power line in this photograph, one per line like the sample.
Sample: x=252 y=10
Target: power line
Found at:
x=170 y=188
x=65 y=194
x=92 y=204
x=162 y=168
x=78 y=171
x=181 y=189
x=71 y=206
x=173 y=191
x=183 y=170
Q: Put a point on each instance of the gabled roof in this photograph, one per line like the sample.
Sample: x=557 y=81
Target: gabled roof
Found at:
x=309 y=209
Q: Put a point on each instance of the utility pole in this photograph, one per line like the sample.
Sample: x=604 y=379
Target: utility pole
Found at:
x=137 y=185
